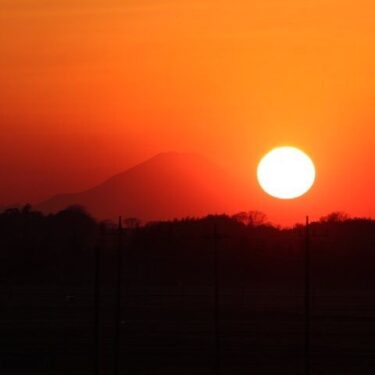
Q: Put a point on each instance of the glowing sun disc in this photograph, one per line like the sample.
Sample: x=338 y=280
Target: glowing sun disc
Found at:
x=286 y=173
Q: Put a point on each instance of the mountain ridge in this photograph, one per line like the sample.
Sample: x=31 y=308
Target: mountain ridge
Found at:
x=166 y=186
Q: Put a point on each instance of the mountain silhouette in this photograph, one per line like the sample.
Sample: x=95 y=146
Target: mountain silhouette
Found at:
x=169 y=185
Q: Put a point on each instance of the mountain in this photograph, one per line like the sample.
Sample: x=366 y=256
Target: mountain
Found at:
x=169 y=185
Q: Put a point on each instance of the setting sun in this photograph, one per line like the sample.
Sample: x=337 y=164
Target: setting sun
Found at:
x=286 y=173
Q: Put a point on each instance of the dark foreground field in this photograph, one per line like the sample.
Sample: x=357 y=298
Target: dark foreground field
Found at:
x=170 y=331
x=55 y=271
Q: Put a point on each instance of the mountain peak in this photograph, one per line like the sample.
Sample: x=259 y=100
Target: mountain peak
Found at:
x=170 y=184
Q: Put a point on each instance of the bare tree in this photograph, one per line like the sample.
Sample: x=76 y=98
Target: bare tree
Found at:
x=251 y=218
x=334 y=217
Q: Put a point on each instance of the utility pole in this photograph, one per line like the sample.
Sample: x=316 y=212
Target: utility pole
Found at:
x=117 y=338
x=216 y=238
x=307 y=297
x=96 y=307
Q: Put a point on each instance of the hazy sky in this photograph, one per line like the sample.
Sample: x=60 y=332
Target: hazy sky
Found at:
x=91 y=87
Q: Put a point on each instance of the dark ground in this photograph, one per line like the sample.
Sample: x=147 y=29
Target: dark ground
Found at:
x=169 y=331
x=47 y=297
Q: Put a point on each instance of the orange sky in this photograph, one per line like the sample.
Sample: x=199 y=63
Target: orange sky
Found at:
x=91 y=87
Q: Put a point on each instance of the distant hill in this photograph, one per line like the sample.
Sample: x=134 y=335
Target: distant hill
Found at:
x=169 y=185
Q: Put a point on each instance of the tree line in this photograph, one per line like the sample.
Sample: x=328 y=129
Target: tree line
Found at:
x=59 y=249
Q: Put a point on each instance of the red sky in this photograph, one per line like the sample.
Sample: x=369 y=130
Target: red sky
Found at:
x=91 y=87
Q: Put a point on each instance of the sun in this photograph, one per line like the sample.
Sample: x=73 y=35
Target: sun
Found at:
x=286 y=173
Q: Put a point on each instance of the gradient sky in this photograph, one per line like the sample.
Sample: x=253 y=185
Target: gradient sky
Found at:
x=91 y=87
